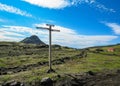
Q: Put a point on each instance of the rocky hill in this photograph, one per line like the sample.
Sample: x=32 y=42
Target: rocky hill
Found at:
x=33 y=40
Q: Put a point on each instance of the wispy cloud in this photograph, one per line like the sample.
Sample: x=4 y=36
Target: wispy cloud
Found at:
x=114 y=26
x=66 y=36
x=11 y=9
x=21 y=29
x=93 y=3
x=15 y=33
x=103 y=7
x=58 y=4
x=77 y=2
x=9 y=35
x=7 y=38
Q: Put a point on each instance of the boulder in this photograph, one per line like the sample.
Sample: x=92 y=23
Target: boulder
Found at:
x=46 y=82
x=90 y=73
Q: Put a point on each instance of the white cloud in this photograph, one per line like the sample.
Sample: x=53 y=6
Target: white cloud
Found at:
x=21 y=29
x=15 y=33
x=69 y=37
x=54 y=4
x=114 y=26
x=6 y=38
x=58 y=4
x=66 y=36
x=11 y=9
x=8 y=35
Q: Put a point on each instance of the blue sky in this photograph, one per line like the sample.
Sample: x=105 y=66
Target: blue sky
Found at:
x=82 y=23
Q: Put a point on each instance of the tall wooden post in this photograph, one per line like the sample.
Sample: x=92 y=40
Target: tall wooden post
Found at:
x=50 y=43
x=50 y=50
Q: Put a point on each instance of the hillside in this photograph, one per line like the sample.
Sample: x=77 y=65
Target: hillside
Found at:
x=28 y=63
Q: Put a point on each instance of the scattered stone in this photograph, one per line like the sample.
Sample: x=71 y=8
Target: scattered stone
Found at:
x=4 y=73
x=13 y=83
x=50 y=71
x=91 y=73
x=118 y=71
x=58 y=76
x=46 y=82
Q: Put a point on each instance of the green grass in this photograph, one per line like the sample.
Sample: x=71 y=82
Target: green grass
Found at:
x=21 y=54
x=94 y=62
x=32 y=59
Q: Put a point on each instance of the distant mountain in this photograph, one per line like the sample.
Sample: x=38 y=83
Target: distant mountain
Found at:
x=32 y=40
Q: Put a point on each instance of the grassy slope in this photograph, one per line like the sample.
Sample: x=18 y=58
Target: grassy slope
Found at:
x=94 y=62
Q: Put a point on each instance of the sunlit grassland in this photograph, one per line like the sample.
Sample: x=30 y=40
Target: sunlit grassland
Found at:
x=94 y=62
x=31 y=55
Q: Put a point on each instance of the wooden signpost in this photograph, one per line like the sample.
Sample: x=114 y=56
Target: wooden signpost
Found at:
x=50 y=40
